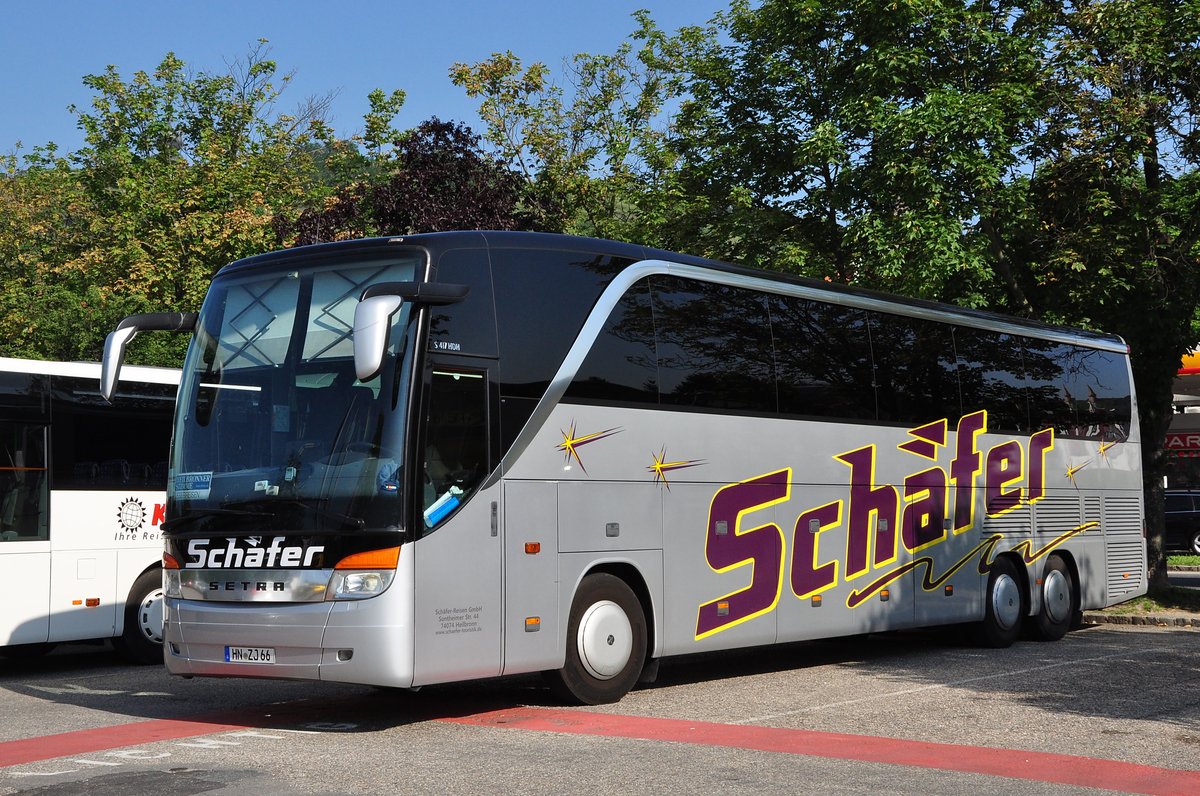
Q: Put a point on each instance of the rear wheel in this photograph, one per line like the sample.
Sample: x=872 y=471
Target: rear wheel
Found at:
x=606 y=643
x=1194 y=544
x=1059 y=603
x=1005 y=607
x=142 y=639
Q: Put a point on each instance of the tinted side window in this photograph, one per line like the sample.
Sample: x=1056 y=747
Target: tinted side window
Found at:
x=714 y=346
x=24 y=396
x=822 y=359
x=1178 y=502
x=468 y=327
x=542 y=300
x=98 y=446
x=24 y=490
x=1079 y=392
x=916 y=379
x=622 y=366
x=991 y=376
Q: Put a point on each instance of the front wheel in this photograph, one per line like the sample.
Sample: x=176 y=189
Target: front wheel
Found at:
x=606 y=643
x=1194 y=544
x=1005 y=607
x=1059 y=602
x=142 y=639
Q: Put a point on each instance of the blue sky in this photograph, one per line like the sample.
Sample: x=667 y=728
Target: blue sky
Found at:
x=350 y=47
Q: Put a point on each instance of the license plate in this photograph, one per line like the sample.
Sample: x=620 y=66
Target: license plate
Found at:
x=249 y=655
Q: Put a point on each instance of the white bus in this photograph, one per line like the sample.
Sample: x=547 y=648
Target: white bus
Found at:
x=81 y=501
x=441 y=457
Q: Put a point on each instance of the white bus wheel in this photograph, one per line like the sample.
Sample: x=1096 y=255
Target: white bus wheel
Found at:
x=1059 y=603
x=142 y=639
x=606 y=643
x=1005 y=607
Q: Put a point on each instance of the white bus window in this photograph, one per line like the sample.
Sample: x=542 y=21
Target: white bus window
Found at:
x=24 y=491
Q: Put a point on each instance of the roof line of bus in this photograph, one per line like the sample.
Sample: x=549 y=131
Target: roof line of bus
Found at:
x=440 y=241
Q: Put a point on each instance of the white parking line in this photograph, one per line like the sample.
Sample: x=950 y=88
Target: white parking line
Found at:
x=935 y=686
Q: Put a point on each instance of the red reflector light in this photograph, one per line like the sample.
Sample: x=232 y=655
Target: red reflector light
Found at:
x=533 y=548
x=169 y=562
x=92 y=602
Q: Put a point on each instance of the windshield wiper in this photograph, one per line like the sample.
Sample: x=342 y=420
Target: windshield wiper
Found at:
x=172 y=524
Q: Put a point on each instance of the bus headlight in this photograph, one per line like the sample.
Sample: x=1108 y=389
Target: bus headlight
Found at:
x=352 y=585
x=363 y=575
x=171 y=584
x=170 y=572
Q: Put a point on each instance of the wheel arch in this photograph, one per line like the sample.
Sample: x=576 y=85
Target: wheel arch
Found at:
x=629 y=572
x=119 y=624
x=1068 y=559
x=1025 y=582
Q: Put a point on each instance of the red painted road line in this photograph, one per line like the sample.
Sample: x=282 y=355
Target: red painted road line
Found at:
x=1017 y=764
x=80 y=742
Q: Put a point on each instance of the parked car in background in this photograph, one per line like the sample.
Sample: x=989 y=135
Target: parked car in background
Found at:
x=1183 y=520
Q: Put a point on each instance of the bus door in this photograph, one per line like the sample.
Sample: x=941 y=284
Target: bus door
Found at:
x=24 y=534
x=459 y=552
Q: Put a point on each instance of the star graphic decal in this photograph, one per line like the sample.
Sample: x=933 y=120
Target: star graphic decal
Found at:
x=571 y=444
x=661 y=466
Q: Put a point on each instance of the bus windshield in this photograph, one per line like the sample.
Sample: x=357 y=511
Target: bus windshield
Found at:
x=273 y=432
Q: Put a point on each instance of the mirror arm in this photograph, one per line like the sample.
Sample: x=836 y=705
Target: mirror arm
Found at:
x=127 y=329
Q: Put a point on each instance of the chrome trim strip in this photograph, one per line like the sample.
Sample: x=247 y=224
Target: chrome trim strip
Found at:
x=254 y=585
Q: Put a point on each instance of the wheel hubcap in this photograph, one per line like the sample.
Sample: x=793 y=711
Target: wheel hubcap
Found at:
x=605 y=640
x=1056 y=596
x=1006 y=602
x=150 y=616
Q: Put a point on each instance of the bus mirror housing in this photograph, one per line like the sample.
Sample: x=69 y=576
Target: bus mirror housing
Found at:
x=372 y=317
x=372 y=321
x=127 y=329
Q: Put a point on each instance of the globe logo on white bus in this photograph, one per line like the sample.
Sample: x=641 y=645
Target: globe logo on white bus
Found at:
x=132 y=514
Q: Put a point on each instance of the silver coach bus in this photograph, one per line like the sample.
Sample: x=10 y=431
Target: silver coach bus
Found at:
x=449 y=456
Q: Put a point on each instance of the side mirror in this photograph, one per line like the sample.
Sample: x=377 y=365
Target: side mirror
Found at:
x=373 y=316
x=127 y=329
x=114 y=356
x=372 y=322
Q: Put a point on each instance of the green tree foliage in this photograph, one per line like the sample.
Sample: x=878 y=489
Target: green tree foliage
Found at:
x=179 y=175
x=1108 y=233
x=435 y=177
x=1034 y=156
x=593 y=151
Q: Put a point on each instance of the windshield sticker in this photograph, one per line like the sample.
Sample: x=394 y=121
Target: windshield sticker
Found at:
x=193 y=486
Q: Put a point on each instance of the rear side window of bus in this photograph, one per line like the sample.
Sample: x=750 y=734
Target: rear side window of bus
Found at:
x=24 y=491
x=1082 y=393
